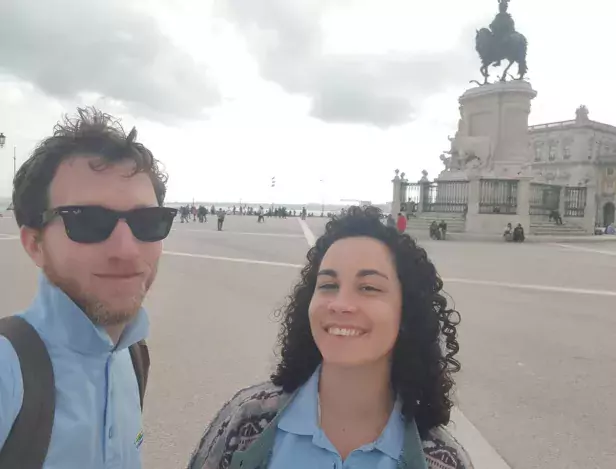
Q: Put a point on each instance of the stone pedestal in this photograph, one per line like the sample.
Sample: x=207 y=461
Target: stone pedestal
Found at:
x=492 y=136
x=495 y=126
x=492 y=142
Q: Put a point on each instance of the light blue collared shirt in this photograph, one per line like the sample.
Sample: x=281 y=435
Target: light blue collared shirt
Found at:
x=97 y=420
x=301 y=444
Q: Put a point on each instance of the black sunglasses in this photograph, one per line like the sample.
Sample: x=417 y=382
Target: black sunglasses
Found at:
x=94 y=224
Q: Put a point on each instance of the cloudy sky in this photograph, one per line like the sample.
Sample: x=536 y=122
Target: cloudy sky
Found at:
x=228 y=93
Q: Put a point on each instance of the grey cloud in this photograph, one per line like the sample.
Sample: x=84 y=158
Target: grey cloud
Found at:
x=68 y=47
x=382 y=90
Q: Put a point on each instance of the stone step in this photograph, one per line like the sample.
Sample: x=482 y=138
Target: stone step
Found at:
x=453 y=226
x=556 y=227
x=428 y=223
x=557 y=231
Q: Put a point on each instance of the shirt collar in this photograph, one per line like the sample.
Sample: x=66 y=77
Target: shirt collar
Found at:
x=301 y=417
x=391 y=440
x=55 y=316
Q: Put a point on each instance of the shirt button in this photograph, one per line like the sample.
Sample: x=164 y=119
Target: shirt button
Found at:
x=110 y=433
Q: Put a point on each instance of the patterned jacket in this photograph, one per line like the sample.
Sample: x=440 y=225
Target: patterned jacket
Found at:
x=242 y=436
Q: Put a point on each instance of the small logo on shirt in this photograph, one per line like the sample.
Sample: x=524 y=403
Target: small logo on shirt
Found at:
x=139 y=439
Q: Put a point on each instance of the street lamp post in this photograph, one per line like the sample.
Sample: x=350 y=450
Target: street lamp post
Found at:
x=322 y=197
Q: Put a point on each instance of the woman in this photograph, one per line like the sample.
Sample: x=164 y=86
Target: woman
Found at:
x=367 y=349
x=508 y=233
x=401 y=223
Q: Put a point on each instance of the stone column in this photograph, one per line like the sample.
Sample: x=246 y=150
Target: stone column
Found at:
x=473 y=219
x=395 y=202
x=523 y=215
x=590 y=210
x=424 y=185
x=561 y=201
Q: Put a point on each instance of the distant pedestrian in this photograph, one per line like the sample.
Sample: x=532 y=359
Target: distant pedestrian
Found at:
x=401 y=223
x=508 y=234
x=518 y=234
x=202 y=213
x=442 y=226
x=556 y=217
x=221 y=218
x=390 y=221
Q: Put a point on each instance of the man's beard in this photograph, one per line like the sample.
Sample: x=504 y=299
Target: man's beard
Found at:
x=96 y=309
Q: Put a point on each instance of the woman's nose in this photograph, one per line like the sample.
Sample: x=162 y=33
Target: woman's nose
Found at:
x=344 y=302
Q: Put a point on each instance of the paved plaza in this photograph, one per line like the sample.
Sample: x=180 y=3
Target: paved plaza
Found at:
x=538 y=344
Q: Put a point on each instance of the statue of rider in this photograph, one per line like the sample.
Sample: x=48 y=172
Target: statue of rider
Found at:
x=503 y=25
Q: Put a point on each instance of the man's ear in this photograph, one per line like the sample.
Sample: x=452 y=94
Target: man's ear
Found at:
x=32 y=241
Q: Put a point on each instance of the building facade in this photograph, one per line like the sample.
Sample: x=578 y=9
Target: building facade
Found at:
x=578 y=152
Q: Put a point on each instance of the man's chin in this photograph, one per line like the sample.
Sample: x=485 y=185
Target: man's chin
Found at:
x=115 y=314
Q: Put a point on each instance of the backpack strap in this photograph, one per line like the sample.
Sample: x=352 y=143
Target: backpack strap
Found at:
x=27 y=444
x=140 y=357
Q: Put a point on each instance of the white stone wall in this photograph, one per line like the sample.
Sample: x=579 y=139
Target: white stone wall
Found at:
x=568 y=153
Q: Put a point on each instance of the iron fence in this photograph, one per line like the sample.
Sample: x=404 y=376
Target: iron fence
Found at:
x=498 y=196
x=575 y=201
x=410 y=195
x=544 y=199
x=445 y=196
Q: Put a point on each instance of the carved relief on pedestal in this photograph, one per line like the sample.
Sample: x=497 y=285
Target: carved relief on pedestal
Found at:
x=446 y=160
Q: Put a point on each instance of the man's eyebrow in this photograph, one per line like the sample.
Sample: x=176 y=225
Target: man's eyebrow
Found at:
x=367 y=272
x=328 y=272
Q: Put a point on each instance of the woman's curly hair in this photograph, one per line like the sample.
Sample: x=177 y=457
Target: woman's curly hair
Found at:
x=423 y=355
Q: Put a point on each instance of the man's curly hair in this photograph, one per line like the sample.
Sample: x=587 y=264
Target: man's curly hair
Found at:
x=90 y=133
x=423 y=355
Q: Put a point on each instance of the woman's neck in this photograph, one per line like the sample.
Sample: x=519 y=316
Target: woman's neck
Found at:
x=356 y=393
x=355 y=404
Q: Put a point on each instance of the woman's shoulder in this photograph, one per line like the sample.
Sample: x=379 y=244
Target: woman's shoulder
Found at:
x=238 y=424
x=443 y=451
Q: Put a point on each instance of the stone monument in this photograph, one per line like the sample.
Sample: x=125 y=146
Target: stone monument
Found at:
x=492 y=140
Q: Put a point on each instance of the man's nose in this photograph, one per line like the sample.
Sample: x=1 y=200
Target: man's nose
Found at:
x=122 y=243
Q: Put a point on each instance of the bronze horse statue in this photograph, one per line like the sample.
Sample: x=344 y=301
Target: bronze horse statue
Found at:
x=492 y=51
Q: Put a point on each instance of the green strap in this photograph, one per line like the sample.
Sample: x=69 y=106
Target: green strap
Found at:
x=259 y=453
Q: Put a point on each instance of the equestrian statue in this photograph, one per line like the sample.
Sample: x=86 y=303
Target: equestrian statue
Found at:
x=501 y=42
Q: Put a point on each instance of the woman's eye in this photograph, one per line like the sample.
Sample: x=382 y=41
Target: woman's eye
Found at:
x=327 y=286
x=369 y=288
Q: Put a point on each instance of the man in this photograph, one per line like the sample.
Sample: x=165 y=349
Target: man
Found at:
x=89 y=204
x=221 y=218
x=503 y=25
x=391 y=223
x=518 y=234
